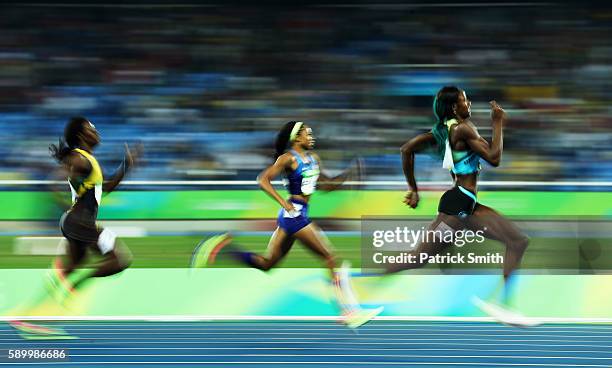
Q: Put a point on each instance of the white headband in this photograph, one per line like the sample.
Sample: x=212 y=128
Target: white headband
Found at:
x=295 y=130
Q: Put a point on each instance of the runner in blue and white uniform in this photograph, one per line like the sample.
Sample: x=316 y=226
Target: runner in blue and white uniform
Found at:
x=301 y=168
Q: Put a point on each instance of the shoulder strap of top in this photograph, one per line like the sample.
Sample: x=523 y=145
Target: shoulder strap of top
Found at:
x=450 y=123
x=299 y=160
x=295 y=154
x=298 y=157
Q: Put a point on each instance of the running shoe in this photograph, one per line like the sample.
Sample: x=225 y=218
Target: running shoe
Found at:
x=504 y=315
x=354 y=315
x=206 y=251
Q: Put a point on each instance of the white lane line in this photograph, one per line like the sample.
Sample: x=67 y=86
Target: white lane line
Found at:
x=353 y=363
x=337 y=338
x=343 y=356
x=75 y=343
x=348 y=334
x=365 y=329
x=331 y=326
x=349 y=349
x=346 y=355
x=273 y=340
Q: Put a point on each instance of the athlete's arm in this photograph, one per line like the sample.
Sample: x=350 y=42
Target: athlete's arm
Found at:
x=416 y=144
x=129 y=161
x=492 y=153
x=60 y=174
x=264 y=179
x=328 y=183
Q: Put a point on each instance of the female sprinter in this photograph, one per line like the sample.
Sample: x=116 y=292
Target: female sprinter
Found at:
x=462 y=148
x=78 y=224
x=302 y=169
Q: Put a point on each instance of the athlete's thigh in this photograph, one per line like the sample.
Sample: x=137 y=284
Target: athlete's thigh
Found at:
x=279 y=245
x=76 y=251
x=434 y=239
x=493 y=225
x=314 y=239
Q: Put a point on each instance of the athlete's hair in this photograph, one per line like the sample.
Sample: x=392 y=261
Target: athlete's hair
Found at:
x=443 y=111
x=70 y=140
x=282 y=138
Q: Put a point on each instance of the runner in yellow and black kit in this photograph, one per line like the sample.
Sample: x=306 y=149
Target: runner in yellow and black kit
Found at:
x=78 y=223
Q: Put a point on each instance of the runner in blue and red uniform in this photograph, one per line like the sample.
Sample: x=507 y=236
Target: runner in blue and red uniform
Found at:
x=302 y=170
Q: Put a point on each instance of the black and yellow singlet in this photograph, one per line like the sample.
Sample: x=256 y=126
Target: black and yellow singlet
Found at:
x=87 y=191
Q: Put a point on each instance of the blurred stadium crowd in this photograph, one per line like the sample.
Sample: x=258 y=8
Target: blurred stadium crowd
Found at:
x=206 y=88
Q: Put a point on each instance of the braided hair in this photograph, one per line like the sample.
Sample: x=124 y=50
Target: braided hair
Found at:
x=443 y=110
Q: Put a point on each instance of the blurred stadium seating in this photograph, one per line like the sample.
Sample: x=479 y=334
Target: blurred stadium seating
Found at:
x=206 y=88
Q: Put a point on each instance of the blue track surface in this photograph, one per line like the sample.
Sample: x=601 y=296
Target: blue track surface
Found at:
x=257 y=344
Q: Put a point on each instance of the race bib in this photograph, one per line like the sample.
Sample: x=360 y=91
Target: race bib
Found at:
x=309 y=180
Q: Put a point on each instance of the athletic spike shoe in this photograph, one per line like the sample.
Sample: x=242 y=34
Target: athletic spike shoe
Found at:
x=205 y=253
x=504 y=315
x=360 y=317
x=31 y=328
x=354 y=315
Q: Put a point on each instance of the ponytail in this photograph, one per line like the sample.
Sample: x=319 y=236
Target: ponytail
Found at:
x=60 y=151
x=443 y=111
x=283 y=138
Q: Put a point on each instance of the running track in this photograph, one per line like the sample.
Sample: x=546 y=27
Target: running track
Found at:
x=308 y=344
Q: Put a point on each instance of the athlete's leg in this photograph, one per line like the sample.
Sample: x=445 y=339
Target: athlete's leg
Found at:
x=76 y=255
x=113 y=262
x=78 y=234
x=57 y=283
x=279 y=245
x=432 y=244
x=497 y=227
x=115 y=258
x=315 y=240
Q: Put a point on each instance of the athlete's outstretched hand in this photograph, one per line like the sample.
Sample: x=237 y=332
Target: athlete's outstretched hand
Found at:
x=497 y=113
x=355 y=173
x=412 y=199
x=132 y=157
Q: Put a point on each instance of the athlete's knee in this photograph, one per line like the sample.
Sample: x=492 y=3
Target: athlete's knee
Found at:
x=263 y=263
x=266 y=265
x=523 y=242
x=125 y=261
x=115 y=264
x=123 y=256
x=519 y=243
